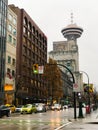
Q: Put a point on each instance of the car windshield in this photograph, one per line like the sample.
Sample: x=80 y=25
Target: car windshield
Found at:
x=19 y=106
x=39 y=104
x=27 y=106
x=2 y=106
x=56 y=105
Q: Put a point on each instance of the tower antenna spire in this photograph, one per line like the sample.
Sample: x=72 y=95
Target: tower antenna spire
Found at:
x=71 y=18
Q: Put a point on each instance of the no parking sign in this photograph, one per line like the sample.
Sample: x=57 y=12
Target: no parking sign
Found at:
x=75 y=87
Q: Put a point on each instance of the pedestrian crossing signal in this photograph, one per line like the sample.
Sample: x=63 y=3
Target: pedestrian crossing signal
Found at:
x=35 y=68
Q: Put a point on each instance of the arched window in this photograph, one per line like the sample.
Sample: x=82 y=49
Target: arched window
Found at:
x=37 y=33
x=33 y=29
x=40 y=36
x=29 y=26
x=25 y=21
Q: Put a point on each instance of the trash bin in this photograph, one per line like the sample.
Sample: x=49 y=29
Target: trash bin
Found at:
x=88 y=109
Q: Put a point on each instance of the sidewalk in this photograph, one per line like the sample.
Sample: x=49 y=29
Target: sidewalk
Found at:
x=89 y=122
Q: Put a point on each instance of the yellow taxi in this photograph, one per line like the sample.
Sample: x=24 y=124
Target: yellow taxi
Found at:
x=12 y=107
x=29 y=109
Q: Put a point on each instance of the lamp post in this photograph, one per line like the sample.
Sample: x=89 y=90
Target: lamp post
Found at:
x=78 y=81
x=80 y=106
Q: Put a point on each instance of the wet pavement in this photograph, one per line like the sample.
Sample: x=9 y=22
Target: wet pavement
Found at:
x=89 y=122
x=51 y=120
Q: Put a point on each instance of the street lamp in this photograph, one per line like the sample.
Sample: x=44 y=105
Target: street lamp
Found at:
x=80 y=100
x=78 y=81
x=74 y=93
x=80 y=106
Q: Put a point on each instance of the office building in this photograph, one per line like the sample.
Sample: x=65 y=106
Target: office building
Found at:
x=31 y=49
x=66 y=53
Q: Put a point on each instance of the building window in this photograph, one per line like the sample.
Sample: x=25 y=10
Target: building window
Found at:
x=24 y=50
x=9 y=59
x=28 y=34
x=36 y=33
x=10 y=17
x=25 y=21
x=14 y=31
x=14 y=41
x=8 y=70
x=10 y=38
x=33 y=38
x=13 y=73
x=29 y=26
x=24 y=39
x=29 y=52
x=13 y=61
x=10 y=28
x=33 y=29
x=29 y=44
x=25 y=30
x=14 y=21
x=32 y=47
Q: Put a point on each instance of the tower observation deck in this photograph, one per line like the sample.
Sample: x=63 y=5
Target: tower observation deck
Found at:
x=72 y=31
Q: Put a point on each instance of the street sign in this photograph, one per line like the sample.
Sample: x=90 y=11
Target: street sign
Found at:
x=75 y=87
x=40 y=69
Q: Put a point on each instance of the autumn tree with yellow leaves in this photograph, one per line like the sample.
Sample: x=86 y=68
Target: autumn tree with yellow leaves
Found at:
x=52 y=75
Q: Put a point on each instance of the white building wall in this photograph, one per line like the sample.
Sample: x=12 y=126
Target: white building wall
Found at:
x=10 y=67
x=66 y=51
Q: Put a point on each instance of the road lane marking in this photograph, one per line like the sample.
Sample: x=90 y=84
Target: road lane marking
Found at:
x=62 y=126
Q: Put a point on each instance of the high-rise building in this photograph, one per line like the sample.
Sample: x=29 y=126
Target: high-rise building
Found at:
x=31 y=49
x=66 y=52
x=10 y=68
x=3 y=24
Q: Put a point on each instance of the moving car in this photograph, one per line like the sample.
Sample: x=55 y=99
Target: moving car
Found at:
x=18 y=108
x=28 y=109
x=4 y=111
x=41 y=107
x=56 y=107
x=12 y=107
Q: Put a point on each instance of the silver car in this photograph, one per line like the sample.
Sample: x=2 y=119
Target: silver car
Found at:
x=41 y=107
x=56 y=107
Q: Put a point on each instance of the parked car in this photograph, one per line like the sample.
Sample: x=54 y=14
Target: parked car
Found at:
x=56 y=107
x=28 y=109
x=4 y=111
x=12 y=107
x=18 y=108
x=41 y=107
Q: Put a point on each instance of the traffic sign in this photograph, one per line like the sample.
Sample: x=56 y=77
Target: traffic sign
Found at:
x=75 y=87
x=41 y=69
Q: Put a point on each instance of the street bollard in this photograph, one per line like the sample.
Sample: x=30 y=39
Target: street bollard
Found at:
x=88 y=109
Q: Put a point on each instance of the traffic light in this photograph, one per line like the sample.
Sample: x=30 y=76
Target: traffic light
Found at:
x=35 y=68
x=91 y=89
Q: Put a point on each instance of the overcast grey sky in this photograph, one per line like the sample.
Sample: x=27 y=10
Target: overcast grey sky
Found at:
x=53 y=15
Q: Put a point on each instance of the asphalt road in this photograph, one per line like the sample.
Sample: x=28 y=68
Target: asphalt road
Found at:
x=50 y=120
